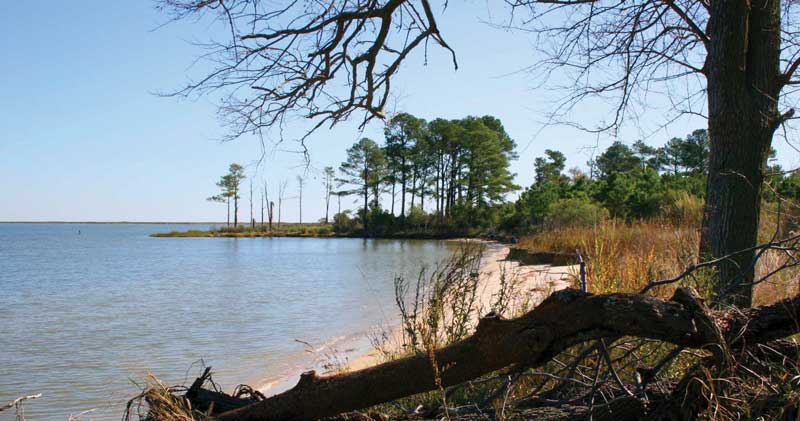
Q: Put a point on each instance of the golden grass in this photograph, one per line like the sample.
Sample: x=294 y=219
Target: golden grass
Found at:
x=160 y=402
x=624 y=256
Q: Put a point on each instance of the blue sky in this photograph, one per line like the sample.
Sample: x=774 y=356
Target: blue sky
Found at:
x=83 y=137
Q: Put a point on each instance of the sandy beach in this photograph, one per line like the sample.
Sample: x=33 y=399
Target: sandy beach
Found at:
x=537 y=280
x=356 y=353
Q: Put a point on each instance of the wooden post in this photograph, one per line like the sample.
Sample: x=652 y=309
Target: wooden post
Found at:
x=582 y=279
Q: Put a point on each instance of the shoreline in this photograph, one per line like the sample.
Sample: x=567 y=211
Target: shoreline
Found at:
x=313 y=232
x=537 y=280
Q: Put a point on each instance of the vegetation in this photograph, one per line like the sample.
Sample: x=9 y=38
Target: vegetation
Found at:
x=657 y=350
x=736 y=62
x=259 y=230
x=634 y=215
x=229 y=185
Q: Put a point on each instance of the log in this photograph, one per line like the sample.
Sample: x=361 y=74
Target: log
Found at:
x=17 y=401
x=564 y=319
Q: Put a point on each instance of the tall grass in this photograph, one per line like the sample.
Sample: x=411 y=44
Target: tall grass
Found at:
x=622 y=256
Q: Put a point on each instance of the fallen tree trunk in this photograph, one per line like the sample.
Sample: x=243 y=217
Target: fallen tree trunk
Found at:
x=566 y=318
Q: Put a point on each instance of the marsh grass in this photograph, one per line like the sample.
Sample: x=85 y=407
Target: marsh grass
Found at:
x=159 y=402
x=259 y=230
x=622 y=256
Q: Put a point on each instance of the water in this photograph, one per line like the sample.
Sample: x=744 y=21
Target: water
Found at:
x=85 y=308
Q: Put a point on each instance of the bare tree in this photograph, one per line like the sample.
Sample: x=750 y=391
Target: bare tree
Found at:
x=270 y=205
x=300 y=183
x=252 y=218
x=297 y=67
x=262 y=208
x=733 y=62
x=328 y=183
x=281 y=196
x=271 y=213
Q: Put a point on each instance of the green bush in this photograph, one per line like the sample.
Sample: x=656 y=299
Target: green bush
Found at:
x=416 y=217
x=573 y=212
x=342 y=222
x=682 y=208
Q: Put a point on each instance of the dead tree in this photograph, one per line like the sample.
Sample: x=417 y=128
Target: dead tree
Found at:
x=281 y=196
x=300 y=183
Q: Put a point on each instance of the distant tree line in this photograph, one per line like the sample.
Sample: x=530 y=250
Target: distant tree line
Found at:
x=458 y=168
x=630 y=182
x=453 y=176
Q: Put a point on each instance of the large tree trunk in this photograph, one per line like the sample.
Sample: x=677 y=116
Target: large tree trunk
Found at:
x=743 y=85
x=565 y=319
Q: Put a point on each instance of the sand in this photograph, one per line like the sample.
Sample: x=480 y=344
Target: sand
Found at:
x=539 y=280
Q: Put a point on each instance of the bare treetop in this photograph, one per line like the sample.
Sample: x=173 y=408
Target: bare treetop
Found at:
x=322 y=60
x=325 y=60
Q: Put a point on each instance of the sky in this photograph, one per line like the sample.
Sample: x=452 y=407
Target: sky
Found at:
x=85 y=137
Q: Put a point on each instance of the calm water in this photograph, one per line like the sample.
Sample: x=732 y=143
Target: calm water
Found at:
x=81 y=314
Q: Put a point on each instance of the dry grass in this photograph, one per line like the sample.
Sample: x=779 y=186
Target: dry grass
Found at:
x=623 y=257
x=161 y=402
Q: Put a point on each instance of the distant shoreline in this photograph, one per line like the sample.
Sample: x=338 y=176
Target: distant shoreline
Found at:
x=113 y=222
x=282 y=234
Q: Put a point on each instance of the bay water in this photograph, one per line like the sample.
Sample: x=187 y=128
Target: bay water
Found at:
x=87 y=311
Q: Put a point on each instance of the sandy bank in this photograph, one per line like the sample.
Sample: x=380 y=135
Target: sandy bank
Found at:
x=537 y=280
x=355 y=353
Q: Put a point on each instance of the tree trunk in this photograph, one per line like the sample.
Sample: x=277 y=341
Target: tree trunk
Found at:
x=393 y=194
x=413 y=186
x=235 y=209
x=271 y=210
x=566 y=318
x=366 y=197
x=327 y=201
x=744 y=81
x=403 y=181
x=422 y=194
x=228 y=201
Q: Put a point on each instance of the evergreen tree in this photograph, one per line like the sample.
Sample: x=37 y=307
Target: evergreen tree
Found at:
x=364 y=170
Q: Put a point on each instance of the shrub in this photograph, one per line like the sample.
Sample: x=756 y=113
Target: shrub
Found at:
x=577 y=211
x=682 y=208
x=343 y=223
x=416 y=217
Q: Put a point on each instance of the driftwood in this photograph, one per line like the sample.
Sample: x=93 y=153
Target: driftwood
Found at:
x=564 y=319
x=19 y=400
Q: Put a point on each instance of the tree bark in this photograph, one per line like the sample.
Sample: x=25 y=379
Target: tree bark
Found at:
x=744 y=81
x=565 y=319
